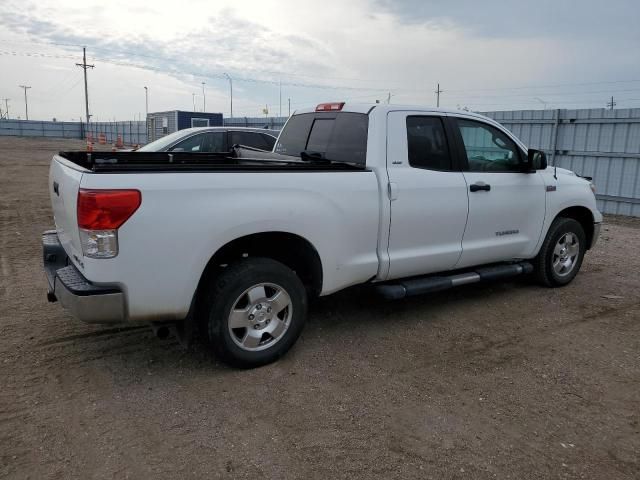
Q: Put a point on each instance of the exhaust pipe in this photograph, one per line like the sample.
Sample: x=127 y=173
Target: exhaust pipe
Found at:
x=161 y=330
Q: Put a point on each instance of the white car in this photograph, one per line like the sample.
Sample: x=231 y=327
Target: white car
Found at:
x=213 y=140
x=407 y=199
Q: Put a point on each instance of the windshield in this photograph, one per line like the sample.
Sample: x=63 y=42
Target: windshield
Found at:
x=336 y=136
x=162 y=143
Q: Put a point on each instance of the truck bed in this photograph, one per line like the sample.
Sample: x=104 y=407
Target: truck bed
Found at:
x=243 y=160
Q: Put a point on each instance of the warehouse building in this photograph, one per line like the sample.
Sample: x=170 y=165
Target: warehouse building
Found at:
x=160 y=124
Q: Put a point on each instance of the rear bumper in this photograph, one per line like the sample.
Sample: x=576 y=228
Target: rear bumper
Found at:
x=86 y=301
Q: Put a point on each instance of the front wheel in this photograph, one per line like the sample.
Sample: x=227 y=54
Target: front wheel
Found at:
x=561 y=254
x=255 y=311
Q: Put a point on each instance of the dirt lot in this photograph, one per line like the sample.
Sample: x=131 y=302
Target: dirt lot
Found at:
x=507 y=380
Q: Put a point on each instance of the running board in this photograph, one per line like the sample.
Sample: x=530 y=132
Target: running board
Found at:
x=418 y=286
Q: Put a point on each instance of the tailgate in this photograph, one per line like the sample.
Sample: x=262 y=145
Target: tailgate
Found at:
x=64 y=183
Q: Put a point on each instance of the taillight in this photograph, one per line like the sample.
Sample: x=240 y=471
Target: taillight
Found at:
x=100 y=214
x=330 y=107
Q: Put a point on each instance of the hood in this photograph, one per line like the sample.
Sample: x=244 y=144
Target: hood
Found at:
x=560 y=171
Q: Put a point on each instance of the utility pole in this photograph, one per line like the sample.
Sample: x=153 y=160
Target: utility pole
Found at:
x=289 y=99
x=6 y=107
x=26 y=106
x=146 y=103
x=438 y=92
x=280 y=93
x=204 y=100
x=231 y=91
x=611 y=104
x=84 y=66
x=193 y=95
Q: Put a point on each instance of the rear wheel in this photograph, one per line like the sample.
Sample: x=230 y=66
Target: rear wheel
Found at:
x=561 y=254
x=255 y=311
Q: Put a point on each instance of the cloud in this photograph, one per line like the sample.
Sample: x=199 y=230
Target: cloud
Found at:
x=225 y=43
x=359 y=49
x=516 y=19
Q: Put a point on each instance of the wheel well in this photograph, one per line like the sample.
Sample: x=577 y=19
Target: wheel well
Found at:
x=584 y=216
x=290 y=249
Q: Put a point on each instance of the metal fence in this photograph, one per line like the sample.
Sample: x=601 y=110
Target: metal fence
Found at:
x=33 y=128
x=274 y=123
x=132 y=133
x=598 y=143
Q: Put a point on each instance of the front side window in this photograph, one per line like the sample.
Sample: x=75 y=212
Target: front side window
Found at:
x=210 y=142
x=191 y=144
x=427 y=143
x=488 y=149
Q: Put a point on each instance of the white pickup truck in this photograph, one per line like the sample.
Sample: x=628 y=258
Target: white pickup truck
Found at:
x=408 y=199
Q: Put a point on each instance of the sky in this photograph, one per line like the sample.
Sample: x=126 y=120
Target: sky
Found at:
x=486 y=56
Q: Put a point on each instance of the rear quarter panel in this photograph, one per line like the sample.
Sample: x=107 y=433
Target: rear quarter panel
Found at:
x=185 y=218
x=64 y=182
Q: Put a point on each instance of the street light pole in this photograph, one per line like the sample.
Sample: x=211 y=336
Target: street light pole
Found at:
x=193 y=96
x=146 y=102
x=231 y=91
x=26 y=106
x=204 y=99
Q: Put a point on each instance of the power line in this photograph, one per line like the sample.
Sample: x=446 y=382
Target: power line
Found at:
x=546 y=94
x=334 y=87
x=525 y=87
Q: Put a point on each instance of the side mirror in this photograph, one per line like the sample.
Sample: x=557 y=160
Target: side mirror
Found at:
x=537 y=160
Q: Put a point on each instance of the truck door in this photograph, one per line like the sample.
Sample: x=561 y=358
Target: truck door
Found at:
x=428 y=195
x=506 y=205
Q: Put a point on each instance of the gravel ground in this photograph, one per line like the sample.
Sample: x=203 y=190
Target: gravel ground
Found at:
x=504 y=380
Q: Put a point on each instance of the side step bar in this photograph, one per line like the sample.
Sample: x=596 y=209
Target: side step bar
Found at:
x=418 y=286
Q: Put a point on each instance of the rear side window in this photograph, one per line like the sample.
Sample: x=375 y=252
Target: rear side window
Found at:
x=338 y=136
x=271 y=141
x=250 y=139
x=427 y=143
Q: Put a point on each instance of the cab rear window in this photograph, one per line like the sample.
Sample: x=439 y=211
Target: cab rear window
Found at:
x=338 y=136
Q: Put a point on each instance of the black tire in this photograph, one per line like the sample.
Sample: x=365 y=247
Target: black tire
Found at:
x=543 y=264
x=222 y=294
